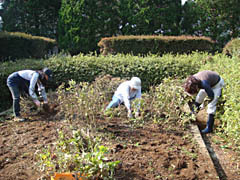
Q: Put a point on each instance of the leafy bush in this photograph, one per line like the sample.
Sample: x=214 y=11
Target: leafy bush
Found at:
x=86 y=101
x=143 y=45
x=20 y=45
x=167 y=101
x=232 y=48
x=151 y=69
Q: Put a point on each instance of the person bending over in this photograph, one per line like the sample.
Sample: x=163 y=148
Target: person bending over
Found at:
x=26 y=81
x=125 y=93
x=205 y=83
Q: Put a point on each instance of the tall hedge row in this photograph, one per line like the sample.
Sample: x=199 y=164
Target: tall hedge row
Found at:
x=20 y=45
x=151 y=69
x=232 y=47
x=160 y=45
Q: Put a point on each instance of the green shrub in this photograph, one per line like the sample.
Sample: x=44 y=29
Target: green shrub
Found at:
x=232 y=48
x=78 y=152
x=17 y=45
x=151 y=69
x=143 y=45
x=85 y=68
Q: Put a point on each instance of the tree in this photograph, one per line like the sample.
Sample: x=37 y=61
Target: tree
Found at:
x=190 y=23
x=222 y=19
x=35 y=17
x=149 y=17
x=82 y=23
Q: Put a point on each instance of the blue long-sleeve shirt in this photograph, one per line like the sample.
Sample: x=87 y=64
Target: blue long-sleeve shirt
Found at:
x=206 y=86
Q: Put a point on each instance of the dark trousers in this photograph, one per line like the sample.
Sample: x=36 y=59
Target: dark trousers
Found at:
x=15 y=84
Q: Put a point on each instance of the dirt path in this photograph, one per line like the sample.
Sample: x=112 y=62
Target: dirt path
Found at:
x=149 y=152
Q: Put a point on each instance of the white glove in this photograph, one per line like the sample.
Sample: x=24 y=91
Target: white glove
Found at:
x=129 y=114
x=37 y=102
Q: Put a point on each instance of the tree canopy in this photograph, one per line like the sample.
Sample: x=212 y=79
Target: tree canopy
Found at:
x=78 y=25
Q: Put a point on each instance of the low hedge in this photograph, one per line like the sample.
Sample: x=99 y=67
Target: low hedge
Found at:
x=16 y=45
x=232 y=48
x=151 y=69
x=85 y=68
x=143 y=45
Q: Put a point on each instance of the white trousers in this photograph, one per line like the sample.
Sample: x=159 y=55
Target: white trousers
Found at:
x=217 y=89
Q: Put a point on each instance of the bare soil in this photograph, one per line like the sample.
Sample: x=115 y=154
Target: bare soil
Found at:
x=152 y=151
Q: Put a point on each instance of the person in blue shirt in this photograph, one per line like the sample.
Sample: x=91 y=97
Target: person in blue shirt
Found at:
x=205 y=83
x=26 y=81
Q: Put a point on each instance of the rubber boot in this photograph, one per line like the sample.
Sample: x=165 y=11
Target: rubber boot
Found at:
x=210 y=123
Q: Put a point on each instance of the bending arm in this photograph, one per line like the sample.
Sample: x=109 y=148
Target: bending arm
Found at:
x=33 y=83
x=208 y=89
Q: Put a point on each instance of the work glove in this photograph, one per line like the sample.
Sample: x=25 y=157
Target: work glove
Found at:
x=37 y=102
x=136 y=114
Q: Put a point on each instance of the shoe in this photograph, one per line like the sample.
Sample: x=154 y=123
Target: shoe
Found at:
x=19 y=119
x=206 y=130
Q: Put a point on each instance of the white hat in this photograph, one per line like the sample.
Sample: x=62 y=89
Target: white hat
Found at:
x=135 y=83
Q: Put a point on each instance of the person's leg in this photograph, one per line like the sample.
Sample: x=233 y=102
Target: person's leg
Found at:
x=212 y=106
x=16 y=99
x=114 y=103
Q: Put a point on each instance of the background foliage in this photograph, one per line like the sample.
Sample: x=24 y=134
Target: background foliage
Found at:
x=35 y=17
x=78 y=25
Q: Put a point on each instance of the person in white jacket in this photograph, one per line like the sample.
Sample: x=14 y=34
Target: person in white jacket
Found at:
x=26 y=81
x=125 y=93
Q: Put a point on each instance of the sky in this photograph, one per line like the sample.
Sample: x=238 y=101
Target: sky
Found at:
x=183 y=1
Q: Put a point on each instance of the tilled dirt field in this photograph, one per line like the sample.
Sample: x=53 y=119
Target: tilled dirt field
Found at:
x=148 y=152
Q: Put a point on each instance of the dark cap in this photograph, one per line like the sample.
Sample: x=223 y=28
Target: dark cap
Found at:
x=48 y=72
